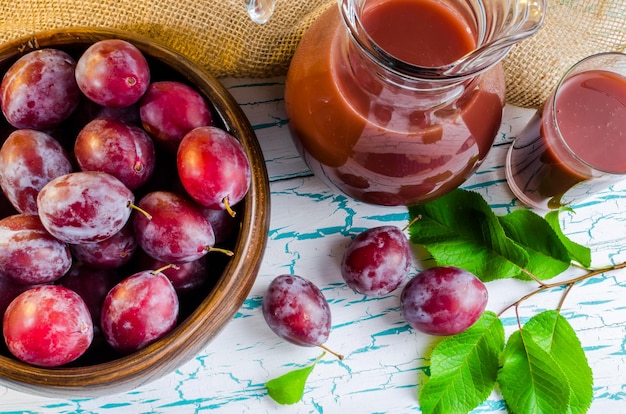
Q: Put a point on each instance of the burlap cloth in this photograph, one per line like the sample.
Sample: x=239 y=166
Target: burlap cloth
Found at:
x=219 y=35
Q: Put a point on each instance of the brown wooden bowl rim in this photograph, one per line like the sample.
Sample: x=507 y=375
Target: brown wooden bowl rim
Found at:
x=217 y=309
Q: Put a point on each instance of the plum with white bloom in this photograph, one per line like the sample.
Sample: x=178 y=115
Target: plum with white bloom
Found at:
x=39 y=90
x=214 y=168
x=116 y=147
x=170 y=109
x=30 y=159
x=28 y=253
x=113 y=73
x=443 y=300
x=176 y=232
x=84 y=207
x=377 y=261
x=297 y=311
x=48 y=326
x=138 y=311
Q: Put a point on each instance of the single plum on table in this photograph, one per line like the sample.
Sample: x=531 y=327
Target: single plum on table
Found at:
x=170 y=109
x=116 y=147
x=47 y=326
x=39 y=91
x=84 y=206
x=213 y=168
x=29 y=159
x=297 y=311
x=377 y=261
x=443 y=300
x=138 y=311
x=113 y=73
x=28 y=253
x=177 y=231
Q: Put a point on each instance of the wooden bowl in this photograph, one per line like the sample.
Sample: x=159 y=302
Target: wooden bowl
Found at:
x=103 y=371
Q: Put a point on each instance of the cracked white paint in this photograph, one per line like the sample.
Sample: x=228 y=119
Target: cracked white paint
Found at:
x=385 y=361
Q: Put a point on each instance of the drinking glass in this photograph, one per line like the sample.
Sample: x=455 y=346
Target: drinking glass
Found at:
x=576 y=145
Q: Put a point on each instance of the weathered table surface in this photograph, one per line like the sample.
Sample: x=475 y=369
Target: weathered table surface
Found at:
x=385 y=359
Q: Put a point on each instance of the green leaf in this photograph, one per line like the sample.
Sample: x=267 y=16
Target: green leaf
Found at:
x=548 y=257
x=464 y=368
x=289 y=387
x=460 y=229
x=555 y=335
x=530 y=380
x=579 y=253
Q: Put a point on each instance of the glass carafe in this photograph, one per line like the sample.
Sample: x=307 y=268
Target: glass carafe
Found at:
x=397 y=102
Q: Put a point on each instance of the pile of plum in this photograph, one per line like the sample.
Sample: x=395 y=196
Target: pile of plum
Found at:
x=115 y=187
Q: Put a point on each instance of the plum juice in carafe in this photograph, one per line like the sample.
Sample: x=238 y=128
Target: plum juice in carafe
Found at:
x=397 y=102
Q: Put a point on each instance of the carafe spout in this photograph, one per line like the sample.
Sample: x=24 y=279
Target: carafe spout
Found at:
x=510 y=22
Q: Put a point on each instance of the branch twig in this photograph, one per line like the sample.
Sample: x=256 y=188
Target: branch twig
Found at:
x=568 y=283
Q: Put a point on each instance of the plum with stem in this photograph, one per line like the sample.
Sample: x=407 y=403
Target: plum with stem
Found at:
x=297 y=311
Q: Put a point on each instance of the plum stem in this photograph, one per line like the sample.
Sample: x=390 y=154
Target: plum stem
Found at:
x=165 y=267
x=139 y=209
x=339 y=356
x=228 y=207
x=138 y=166
x=569 y=284
x=416 y=218
x=219 y=249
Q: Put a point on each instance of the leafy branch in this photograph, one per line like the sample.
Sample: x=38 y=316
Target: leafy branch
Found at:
x=542 y=366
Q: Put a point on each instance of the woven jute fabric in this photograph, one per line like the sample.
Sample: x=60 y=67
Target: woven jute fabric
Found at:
x=218 y=34
x=572 y=30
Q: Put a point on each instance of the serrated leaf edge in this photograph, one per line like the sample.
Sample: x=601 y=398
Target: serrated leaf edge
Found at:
x=483 y=336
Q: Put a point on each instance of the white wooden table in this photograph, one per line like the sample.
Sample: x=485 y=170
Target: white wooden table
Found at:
x=385 y=359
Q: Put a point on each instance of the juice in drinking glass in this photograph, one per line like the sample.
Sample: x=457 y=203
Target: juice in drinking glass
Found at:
x=577 y=146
